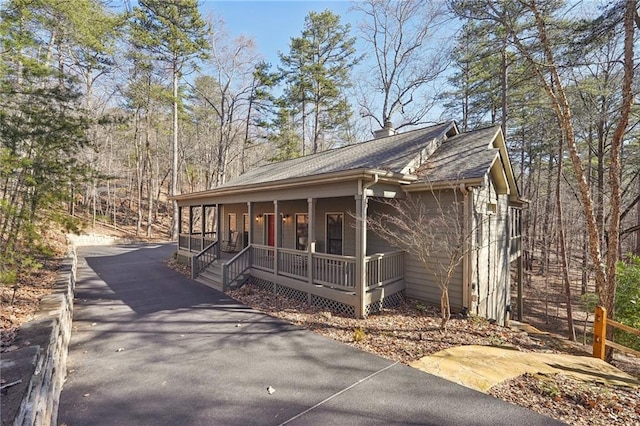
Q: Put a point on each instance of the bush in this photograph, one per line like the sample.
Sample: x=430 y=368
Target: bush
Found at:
x=628 y=300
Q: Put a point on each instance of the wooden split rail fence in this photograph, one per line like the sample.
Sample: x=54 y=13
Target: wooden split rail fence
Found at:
x=600 y=341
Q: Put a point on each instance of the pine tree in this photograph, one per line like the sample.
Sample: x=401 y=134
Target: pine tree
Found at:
x=175 y=33
x=316 y=72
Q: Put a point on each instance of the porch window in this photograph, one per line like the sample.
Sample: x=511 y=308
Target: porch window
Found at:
x=183 y=225
x=245 y=230
x=210 y=220
x=196 y=219
x=335 y=229
x=302 y=231
x=232 y=225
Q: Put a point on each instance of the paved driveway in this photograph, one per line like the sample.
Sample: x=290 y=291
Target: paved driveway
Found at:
x=152 y=347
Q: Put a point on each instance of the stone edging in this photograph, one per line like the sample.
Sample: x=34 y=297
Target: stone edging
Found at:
x=40 y=365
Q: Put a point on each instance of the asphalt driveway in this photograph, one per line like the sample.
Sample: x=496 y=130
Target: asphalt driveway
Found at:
x=152 y=347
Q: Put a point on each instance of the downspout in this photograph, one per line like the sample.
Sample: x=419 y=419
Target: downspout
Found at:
x=361 y=244
x=468 y=247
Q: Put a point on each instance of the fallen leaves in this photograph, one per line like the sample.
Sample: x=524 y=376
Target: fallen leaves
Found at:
x=411 y=330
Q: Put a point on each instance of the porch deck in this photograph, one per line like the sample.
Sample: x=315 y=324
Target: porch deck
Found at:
x=310 y=276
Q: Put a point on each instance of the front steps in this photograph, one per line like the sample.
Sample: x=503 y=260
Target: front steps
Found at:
x=212 y=276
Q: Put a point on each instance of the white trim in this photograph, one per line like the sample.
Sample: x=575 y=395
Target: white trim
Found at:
x=326 y=236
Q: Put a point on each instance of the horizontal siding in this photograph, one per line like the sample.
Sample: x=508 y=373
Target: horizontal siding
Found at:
x=375 y=243
x=421 y=284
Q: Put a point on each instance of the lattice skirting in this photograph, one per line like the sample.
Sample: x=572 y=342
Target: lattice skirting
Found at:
x=388 y=301
x=323 y=302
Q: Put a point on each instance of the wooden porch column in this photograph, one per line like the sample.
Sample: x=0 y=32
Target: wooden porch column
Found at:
x=218 y=230
x=190 y=225
x=278 y=231
x=361 y=246
x=202 y=224
x=311 y=238
x=250 y=213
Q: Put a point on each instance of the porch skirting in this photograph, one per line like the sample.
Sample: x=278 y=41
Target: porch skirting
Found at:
x=378 y=299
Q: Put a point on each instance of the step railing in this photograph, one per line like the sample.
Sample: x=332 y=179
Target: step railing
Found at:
x=600 y=341
x=204 y=258
x=234 y=272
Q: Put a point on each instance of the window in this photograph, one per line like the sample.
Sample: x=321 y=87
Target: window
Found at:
x=233 y=227
x=334 y=233
x=196 y=219
x=210 y=220
x=183 y=212
x=302 y=231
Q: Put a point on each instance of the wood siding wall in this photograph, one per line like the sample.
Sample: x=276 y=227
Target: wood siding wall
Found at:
x=420 y=284
x=344 y=205
x=491 y=259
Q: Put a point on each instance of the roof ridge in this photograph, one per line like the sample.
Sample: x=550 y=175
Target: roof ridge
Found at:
x=333 y=150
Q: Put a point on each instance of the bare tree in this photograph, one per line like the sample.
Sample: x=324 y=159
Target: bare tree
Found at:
x=400 y=35
x=433 y=230
x=229 y=96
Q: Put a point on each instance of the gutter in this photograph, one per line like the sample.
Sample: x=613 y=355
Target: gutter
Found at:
x=376 y=174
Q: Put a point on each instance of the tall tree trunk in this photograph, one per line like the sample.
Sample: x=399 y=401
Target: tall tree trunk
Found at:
x=563 y=247
x=546 y=237
x=174 y=167
x=615 y=167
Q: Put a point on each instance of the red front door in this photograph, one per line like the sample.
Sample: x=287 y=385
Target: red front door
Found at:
x=271 y=230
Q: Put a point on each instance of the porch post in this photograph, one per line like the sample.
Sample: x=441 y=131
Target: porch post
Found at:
x=278 y=231
x=311 y=239
x=218 y=230
x=180 y=230
x=202 y=224
x=190 y=225
x=361 y=244
x=250 y=213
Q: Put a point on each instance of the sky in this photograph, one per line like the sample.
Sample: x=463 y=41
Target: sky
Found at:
x=272 y=23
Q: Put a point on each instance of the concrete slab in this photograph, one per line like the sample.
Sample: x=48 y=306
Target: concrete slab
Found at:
x=152 y=347
x=481 y=367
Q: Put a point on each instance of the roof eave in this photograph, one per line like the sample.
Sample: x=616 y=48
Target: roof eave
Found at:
x=383 y=175
x=444 y=184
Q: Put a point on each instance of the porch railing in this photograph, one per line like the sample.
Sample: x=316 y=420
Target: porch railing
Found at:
x=293 y=263
x=262 y=257
x=337 y=272
x=235 y=271
x=203 y=259
x=195 y=243
x=384 y=268
x=334 y=271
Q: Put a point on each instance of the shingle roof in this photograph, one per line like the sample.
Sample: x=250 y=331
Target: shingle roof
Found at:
x=464 y=156
x=391 y=153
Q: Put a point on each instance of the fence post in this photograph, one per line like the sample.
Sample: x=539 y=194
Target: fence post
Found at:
x=194 y=273
x=599 y=332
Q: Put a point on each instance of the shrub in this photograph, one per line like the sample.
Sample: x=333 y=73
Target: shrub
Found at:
x=628 y=300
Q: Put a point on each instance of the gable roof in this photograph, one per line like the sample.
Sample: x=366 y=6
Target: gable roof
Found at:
x=464 y=156
x=391 y=153
x=436 y=155
x=467 y=158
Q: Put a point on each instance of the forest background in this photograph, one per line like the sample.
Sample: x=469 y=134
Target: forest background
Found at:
x=107 y=108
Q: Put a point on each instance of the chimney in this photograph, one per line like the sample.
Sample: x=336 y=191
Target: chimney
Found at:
x=387 y=130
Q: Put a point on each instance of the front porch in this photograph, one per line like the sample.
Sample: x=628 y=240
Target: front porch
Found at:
x=316 y=278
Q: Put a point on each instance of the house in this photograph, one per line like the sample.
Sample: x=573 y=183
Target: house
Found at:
x=296 y=228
